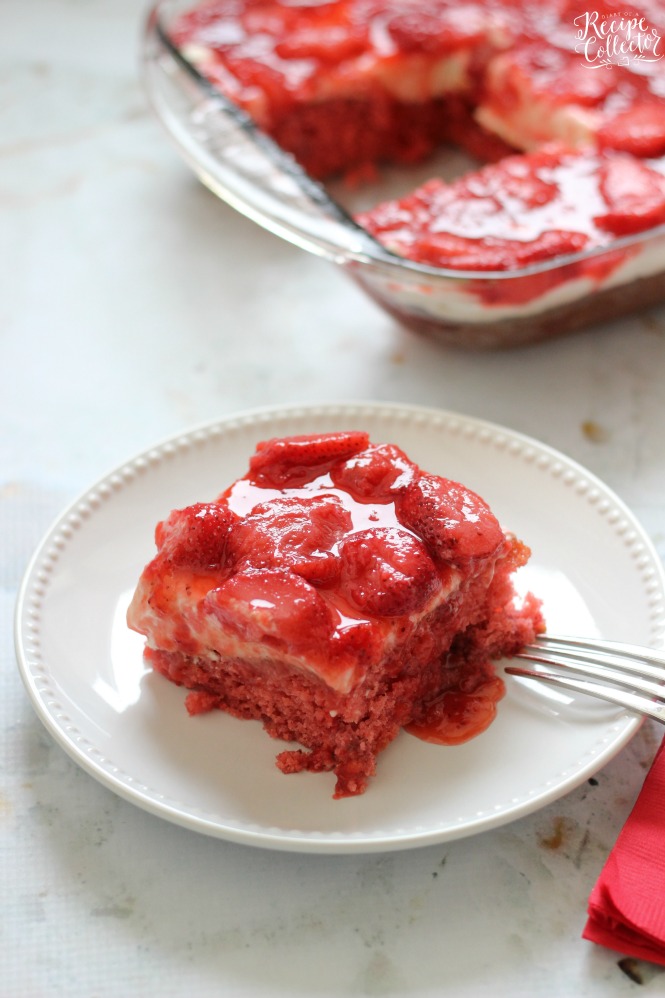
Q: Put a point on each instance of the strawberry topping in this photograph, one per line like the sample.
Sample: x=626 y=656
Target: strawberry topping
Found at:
x=559 y=74
x=329 y=44
x=387 y=572
x=505 y=216
x=378 y=472
x=436 y=29
x=272 y=607
x=634 y=194
x=454 y=522
x=296 y=532
x=293 y=461
x=640 y=130
x=197 y=536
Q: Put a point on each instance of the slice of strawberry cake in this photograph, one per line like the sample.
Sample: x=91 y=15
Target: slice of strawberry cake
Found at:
x=337 y=593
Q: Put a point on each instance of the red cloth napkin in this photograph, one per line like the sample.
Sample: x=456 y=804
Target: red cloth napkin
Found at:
x=627 y=905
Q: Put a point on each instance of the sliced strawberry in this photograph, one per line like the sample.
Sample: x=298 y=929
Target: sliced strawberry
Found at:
x=272 y=607
x=387 y=572
x=417 y=31
x=555 y=73
x=434 y=30
x=500 y=192
x=640 y=130
x=517 y=178
x=443 y=249
x=634 y=195
x=255 y=72
x=332 y=43
x=197 y=536
x=294 y=461
x=454 y=522
x=292 y=531
x=377 y=473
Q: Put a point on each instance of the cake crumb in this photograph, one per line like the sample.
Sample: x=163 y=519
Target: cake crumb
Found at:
x=594 y=432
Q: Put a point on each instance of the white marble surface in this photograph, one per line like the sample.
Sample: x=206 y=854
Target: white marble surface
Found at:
x=133 y=306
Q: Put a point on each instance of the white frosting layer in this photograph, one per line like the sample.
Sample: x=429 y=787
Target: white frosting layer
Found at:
x=209 y=639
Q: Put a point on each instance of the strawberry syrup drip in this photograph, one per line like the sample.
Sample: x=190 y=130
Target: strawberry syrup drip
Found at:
x=458 y=716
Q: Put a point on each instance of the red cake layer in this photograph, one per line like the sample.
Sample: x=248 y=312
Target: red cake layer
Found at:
x=336 y=593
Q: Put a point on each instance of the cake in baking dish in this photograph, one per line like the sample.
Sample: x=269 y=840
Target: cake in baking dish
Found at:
x=336 y=593
x=561 y=106
x=349 y=82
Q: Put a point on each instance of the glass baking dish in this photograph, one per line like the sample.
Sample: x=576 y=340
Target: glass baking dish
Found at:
x=475 y=311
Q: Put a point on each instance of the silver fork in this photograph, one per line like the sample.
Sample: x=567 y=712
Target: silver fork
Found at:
x=624 y=674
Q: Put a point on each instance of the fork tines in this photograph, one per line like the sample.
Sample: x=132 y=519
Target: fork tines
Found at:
x=623 y=674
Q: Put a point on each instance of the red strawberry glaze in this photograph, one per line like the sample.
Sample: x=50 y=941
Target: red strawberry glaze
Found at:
x=337 y=609
x=524 y=210
x=387 y=572
x=639 y=130
x=380 y=471
x=634 y=195
x=460 y=715
x=456 y=524
x=347 y=83
x=558 y=74
x=506 y=215
x=196 y=537
x=300 y=459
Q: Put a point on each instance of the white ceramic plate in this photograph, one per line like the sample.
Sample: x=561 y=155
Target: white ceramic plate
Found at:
x=592 y=564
